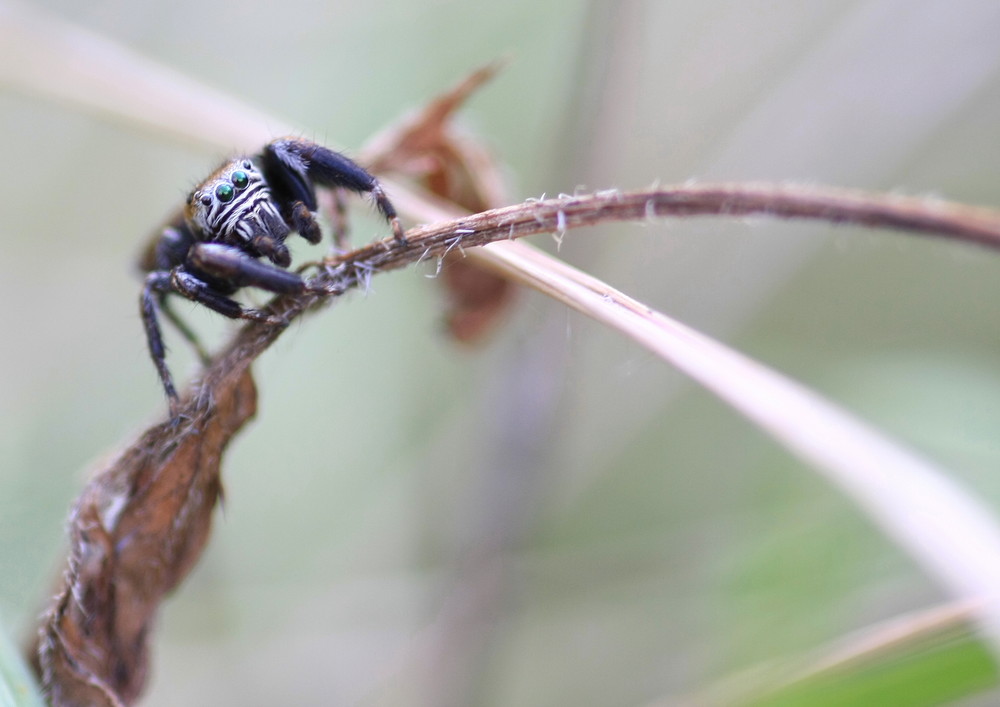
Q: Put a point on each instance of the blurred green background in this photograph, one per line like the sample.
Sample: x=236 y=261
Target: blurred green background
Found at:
x=555 y=517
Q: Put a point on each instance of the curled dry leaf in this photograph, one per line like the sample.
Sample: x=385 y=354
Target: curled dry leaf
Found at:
x=135 y=532
x=428 y=148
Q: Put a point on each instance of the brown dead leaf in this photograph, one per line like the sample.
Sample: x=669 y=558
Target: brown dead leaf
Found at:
x=135 y=532
x=428 y=148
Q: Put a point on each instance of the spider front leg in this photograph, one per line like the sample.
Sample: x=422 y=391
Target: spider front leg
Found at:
x=159 y=285
x=236 y=269
x=388 y=210
x=197 y=290
x=210 y=273
x=292 y=166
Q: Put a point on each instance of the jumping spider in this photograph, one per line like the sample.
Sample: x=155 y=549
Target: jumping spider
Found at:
x=241 y=213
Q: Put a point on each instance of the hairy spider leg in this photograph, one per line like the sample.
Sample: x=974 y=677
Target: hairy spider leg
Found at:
x=221 y=270
x=236 y=269
x=292 y=165
x=157 y=282
x=197 y=290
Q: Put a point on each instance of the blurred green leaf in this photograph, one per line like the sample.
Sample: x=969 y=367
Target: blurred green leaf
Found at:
x=926 y=671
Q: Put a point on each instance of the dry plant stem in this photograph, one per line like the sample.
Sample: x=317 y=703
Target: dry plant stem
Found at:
x=431 y=241
x=948 y=220
x=824 y=204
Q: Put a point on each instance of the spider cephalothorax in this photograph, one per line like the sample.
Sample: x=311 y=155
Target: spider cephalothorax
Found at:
x=232 y=222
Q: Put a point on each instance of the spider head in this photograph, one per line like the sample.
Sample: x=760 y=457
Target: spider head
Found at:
x=235 y=206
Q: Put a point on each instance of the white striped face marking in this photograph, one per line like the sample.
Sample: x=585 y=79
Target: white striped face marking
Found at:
x=221 y=206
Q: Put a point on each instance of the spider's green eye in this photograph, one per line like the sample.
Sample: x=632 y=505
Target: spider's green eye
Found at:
x=240 y=179
x=225 y=192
